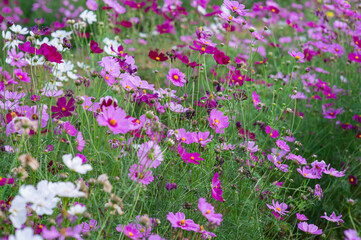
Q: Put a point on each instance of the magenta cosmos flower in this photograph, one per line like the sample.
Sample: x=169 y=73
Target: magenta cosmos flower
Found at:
x=309 y=228
x=218 y=121
x=256 y=101
x=273 y=133
x=94 y=47
x=115 y=119
x=333 y=218
x=22 y=76
x=140 y=175
x=208 y=212
x=4 y=181
x=279 y=208
x=217 y=192
x=63 y=108
x=189 y=157
x=178 y=221
x=176 y=77
x=130 y=230
x=235 y=6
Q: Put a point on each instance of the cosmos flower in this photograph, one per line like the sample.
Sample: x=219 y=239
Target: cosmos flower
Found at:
x=178 y=220
x=351 y=179
x=159 y=57
x=218 y=121
x=139 y=174
x=309 y=228
x=271 y=132
x=22 y=76
x=76 y=164
x=189 y=157
x=94 y=47
x=279 y=208
x=208 y=212
x=298 y=56
x=301 y=217
x=176 y=77
x=217 y=191
x=351 y=234
x=115 y=119
x=333 y=218
x=63 y=108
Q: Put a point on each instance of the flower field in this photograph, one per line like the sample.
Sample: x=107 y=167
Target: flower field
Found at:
x=175 y=119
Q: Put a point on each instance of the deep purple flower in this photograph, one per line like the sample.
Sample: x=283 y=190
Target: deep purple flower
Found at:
x=63 y=108
x=352 y=180
x=50 y=53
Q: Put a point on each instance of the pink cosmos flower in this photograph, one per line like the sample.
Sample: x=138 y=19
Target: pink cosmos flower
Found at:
x=92 y=5
x=69 y=129
x=178 y=221
x=309 y=228
x=176 y=77
x=235 y=6
x=22 y=76
x=115 y=119
x=229 y=18
x=351 y=234
x=202 y=138
x=80 y=143
x=272 y=133
x=208 y=212
x=150 y=154
x=318 y=191
x=278 y=162
x=256 y=101
x=308 y=173
x=218 y=121
x=111 y=66
x=298 y=158
x=278 y=208
x=4 y=181
x=15 y=59
x=140 y=175
x=217 y=191
x=299 y=56
x=333 y=218
x=184 y=136
x=130 y=230
x=91 y=226
x=331 y=113
x=333 y=172
x=301 y=217
x=283 y=145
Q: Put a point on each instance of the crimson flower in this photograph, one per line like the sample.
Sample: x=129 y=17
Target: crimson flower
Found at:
x=94 y=47
x=62 y=108
x=159 y=57
x=50 y=53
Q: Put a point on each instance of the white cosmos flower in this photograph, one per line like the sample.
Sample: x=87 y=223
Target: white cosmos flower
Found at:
x=60 y=34
x=26 y=233
x=42 y=200
x=77 y=210
x=76 y=164
x=88 y=16
x=66 y=189
x=18 y=211
x=19 y=30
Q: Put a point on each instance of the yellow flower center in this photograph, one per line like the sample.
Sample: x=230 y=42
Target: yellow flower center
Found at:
x=305 y=174
x=91 y=226
x=273 y=10
x=112 y=122
x=230 y=18
x=183 y=139
x=297 y=57
x=234 y=8
x=278 y=162
x=356 y=57
x=138 y=121
x=216 y=121
x=63 y=109
x=200 y=139
x=278 y=209
x=182 y=222
x=157 y=58
x=208 y=212
x=192 y=158
x=203 y=49
x=176 y=77
x=142 y=230
x=19 y=76
x=131 y=234
x=107 y=77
